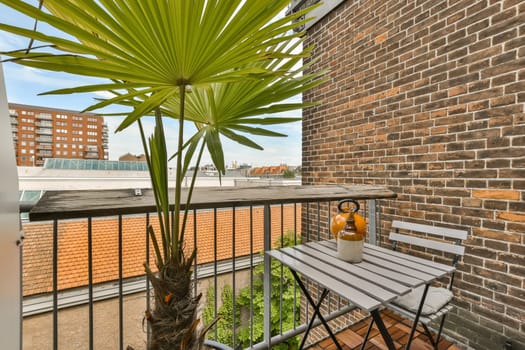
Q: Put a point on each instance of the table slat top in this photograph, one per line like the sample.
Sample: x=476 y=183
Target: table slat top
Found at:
x=382 y=276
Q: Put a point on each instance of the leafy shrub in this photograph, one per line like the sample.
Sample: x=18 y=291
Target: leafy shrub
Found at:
x=284 y=295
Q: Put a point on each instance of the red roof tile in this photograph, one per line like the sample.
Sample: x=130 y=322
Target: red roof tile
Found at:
x=73 y=245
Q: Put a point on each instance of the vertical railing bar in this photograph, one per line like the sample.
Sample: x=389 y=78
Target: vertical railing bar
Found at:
x=215 y=269
x=120 y=286
x=318 y=221
x=234 y=319
x=267 y=277
x=372 y=222
x=148 y=290
x=294 y=282
x=90 y=281
x=318 y=232
x=307 y=282
x=55 y=284
x=251 y=275
x=308 y=221
x=195 y=263
x=328 y=211
x=282 y=272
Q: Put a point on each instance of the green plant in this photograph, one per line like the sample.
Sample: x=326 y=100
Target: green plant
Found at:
x=222 y=65
x=223 y=331
x=284 y=294
x=288 y=173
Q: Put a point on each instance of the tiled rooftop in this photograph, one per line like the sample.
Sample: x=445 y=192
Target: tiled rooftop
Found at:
x=269 y=170
x=73 y=245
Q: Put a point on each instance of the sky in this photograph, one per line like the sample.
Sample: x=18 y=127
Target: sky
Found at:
x=24 y=84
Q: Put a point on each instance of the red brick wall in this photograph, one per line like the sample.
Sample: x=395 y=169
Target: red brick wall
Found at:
x=427 y=98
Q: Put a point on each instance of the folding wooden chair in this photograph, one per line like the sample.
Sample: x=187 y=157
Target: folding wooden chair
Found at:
x=436 y=299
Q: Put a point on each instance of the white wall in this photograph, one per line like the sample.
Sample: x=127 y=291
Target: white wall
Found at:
x=9 y=232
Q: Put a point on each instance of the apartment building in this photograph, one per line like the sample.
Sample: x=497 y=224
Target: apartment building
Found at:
x=41 y=132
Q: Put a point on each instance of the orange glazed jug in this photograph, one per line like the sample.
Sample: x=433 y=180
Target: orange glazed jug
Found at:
x=349 y=229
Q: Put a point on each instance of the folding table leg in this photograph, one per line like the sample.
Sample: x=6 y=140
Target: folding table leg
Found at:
x=382 y=329
x=365 y=339
x=316 y=307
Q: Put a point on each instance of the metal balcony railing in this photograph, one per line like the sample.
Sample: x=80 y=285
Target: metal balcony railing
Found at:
x=44 y=131
x=102 y=236
x=44 y=146
x=44 y=124
x=44 y=116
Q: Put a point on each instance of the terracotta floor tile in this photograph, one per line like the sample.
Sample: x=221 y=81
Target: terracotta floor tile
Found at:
x=352 y=337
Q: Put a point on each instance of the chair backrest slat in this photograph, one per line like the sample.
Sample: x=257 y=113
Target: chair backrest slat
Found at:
x=428 y=243
x=433 y=230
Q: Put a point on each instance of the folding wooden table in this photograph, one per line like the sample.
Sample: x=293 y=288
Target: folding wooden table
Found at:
x=381 y=277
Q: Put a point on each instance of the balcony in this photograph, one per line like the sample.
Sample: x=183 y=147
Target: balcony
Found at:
x=44 y=154
x=44 y=124
x=91 y=155
x=14 y=121
x=14 y=129
x=44 y=146
x=45 y=139
x=44 y=116
x=44 y=131
x=97 y=246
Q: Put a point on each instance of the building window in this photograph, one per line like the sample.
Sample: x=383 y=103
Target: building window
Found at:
x=24 y=151
x=61 y=116
x=91 y=140
x=59 y=153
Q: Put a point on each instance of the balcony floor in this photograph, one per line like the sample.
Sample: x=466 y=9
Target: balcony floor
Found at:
x=352 y=338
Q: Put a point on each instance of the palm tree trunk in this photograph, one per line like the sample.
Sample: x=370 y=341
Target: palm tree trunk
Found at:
x=173 y=320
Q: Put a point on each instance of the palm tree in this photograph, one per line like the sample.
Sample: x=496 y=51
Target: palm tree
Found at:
x=222 y=65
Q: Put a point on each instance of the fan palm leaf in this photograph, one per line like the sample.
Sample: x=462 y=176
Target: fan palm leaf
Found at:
x=156 y=44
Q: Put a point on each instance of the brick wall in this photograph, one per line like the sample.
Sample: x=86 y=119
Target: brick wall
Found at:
x=427 y=98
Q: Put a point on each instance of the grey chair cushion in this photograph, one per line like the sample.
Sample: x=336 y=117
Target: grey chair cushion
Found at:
x=435 y=300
